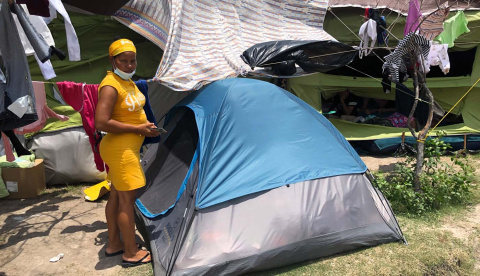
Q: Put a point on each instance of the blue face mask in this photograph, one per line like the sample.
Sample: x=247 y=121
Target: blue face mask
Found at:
x=123 y=75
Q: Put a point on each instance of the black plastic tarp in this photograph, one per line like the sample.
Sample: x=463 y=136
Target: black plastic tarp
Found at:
x=310 y=55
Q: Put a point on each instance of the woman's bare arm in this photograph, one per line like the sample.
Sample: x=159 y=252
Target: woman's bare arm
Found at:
x=103 y=116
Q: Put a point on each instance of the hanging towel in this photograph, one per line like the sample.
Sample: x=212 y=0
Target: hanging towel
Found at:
x=452 y=29
x=413 y=17
x=432 y=24
x=43 y=111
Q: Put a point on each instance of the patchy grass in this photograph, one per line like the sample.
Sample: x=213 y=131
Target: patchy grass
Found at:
x=72 y=190
x=143 y=270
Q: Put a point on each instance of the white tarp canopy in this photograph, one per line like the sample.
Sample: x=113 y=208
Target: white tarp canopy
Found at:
x=206 y=37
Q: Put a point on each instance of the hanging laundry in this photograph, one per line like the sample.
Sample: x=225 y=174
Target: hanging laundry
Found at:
x=452 y=29
x=382 y=36
x=43 y=111
x=438 y=56
x=387 y=78
x=7 y=136
x=411 y=44
x=8 y=149
x=83 y=98
x=37 y=7
x=72 y=39
x=38 y=43
x=381 y=26
x=413 y=17
x=73 y=93
x=367 y=31
x=36 y=29
x=16 y=84
x=432 y=24
x=46 y=68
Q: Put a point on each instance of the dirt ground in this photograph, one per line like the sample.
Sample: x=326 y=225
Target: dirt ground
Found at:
x=60 y=221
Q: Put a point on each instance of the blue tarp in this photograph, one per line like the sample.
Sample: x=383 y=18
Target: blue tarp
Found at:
x=255 y=136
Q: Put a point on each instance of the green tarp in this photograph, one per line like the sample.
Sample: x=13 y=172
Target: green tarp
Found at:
x=447 y=90
x=53 y=124
x=95 y=34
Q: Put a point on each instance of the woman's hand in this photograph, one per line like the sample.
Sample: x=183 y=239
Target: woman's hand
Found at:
x=147 y=130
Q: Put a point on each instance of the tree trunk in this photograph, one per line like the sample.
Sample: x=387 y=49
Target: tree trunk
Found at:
x=421 y=88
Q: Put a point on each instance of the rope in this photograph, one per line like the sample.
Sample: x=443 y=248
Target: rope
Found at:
x=330 y=10
x=381 y=81
x=422 y=140
x=354 y=50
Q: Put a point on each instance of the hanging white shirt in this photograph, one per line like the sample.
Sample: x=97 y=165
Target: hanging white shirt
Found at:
x=367 y=31
x=72 y=39
x=438 y=56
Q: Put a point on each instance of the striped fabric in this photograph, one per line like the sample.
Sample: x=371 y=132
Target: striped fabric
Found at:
x=207 y=37
x=150 y=18
x=432 y=24
x=427 y=6
x=412 y=43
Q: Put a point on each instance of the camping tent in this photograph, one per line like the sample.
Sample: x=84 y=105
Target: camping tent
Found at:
x=251 y=178
x=447 y=89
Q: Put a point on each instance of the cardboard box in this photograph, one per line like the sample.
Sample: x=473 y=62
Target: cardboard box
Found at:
x=25 y=182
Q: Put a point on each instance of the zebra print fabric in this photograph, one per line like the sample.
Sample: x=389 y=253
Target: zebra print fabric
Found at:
x=411 y=44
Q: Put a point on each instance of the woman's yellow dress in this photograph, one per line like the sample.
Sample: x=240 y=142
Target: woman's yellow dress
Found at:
x=121 y=152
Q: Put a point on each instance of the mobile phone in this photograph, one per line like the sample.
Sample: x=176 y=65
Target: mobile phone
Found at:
x=159 y=129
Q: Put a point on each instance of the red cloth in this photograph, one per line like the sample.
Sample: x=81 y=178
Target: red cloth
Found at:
x=84 y=98
x=8 y=148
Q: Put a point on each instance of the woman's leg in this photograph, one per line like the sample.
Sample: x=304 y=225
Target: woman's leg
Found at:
x=126 y=222
x=114 y=243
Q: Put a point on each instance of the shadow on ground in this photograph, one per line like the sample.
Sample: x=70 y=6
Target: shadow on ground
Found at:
x=41 y=205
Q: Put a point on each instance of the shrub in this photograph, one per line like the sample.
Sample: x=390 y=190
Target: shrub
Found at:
x=442 y=184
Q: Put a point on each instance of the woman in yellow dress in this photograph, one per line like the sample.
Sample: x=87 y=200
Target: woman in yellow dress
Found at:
x=120 y=113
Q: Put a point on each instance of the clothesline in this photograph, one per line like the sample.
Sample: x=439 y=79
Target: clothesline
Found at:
x=335 y=53
x=330 y=10
x=397 y=89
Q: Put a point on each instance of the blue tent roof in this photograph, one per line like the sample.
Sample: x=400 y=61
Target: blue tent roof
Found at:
x=255 y=136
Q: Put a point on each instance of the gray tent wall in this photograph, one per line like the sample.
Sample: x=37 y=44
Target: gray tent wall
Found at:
x=287 y=225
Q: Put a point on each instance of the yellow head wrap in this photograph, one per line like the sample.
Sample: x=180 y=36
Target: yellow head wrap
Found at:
x=120 y=46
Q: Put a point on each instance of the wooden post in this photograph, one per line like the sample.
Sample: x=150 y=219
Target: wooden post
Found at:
x=465 y=142
x=403 y=137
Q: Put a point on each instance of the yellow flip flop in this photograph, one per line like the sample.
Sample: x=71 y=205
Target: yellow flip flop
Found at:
x=96 y=191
